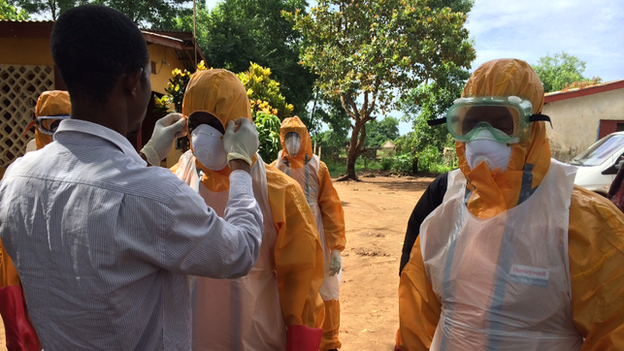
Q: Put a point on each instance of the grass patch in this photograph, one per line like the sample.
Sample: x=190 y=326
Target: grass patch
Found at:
x=339 y=167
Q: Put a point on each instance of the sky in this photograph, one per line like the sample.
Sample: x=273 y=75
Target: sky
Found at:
x=592 y=30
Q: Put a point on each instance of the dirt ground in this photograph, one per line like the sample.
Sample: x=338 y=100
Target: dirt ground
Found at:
x=376 y=211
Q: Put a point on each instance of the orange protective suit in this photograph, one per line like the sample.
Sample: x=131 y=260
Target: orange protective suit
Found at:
x=312 y=174
x=20 y=334
x=584 y=234
x=277 y=306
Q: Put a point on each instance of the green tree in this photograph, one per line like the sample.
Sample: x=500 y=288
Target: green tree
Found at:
x=427 y=102
x=261 y=88
x=50 y=9
x=335 y=117
x=372 y=53
x=560 y=71
x=145 y=13
x=237 y=32
x=8 y=12
x=379 y=132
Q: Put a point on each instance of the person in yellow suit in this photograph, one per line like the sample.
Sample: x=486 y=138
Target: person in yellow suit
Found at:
x=297 y=161
x=516 y=257
x=277 y=306
x=52 y=107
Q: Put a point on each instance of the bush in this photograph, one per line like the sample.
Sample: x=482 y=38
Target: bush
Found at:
x=432 y=160
x=400 y=164
x=268 y=126
x=387 y=163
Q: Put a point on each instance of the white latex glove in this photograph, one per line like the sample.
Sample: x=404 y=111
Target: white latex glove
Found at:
x=243 y=143
x=335 y=262
x=166 y=130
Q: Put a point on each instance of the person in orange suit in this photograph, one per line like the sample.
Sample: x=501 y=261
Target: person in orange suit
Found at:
x=516 y=257
x=277 y=306
x=298 y=162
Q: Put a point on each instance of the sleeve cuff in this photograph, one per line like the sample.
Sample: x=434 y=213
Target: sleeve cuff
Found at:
x=240 y=183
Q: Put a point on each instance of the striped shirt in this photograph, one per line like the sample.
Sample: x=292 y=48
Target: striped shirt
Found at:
x=103 y=243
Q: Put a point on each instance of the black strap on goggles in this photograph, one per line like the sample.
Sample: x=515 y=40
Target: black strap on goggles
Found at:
x=532 y=118
x=436 y=122
x=540 y=117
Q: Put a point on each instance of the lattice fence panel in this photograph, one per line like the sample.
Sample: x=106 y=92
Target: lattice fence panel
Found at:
x=20 y=86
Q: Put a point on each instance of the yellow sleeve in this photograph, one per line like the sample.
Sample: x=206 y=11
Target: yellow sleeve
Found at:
x=419 y=309
x=596 y=251
x=331 y=210
x=8 y=273
x=298 y=252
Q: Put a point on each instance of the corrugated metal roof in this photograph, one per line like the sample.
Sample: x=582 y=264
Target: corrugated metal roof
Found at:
x=26 y=21
x=578 y=92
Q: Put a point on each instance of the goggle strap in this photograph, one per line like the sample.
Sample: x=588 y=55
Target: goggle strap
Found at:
x=30 y=125
x=436 y=122
x=540 y=117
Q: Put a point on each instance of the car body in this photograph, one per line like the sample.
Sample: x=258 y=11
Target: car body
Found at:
x=598 y=165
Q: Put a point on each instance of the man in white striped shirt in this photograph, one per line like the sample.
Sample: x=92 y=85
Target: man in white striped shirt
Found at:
x=102 y=242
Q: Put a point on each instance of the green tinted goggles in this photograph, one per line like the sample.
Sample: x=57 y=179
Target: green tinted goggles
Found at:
x=506 y=117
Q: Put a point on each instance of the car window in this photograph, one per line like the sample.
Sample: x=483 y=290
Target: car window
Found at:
x=600 y=152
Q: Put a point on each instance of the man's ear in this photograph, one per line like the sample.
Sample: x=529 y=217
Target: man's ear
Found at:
x=131 y=80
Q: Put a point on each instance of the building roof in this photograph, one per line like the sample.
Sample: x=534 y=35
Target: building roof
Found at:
x=590 y=90
x=388 y=145
x=181 y=42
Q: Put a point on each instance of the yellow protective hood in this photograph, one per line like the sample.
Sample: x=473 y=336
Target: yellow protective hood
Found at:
x=50 y=103
x=495 y=192
x=294 y=124
x=221 y=93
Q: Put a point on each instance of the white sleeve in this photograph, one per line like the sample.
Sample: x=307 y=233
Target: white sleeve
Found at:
x=199 y=242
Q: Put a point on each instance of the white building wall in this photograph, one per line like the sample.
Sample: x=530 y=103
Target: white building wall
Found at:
x=576 y=121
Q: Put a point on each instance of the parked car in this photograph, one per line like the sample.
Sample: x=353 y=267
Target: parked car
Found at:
x=598 y=165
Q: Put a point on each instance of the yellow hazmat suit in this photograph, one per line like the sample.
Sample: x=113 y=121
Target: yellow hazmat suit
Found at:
x=542 y=266
x=312 y=174
x=277 y=306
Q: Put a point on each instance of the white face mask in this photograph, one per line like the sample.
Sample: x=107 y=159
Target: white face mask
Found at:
x=484 y=148
x=293 y=143
x=208 y=147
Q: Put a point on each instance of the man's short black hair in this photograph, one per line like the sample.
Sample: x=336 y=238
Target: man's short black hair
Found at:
x=92 y=46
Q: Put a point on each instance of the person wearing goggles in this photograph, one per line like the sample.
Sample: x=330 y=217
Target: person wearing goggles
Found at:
x=515 y=257
x=52 y=107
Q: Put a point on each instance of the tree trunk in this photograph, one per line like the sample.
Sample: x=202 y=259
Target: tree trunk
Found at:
x=358 y=135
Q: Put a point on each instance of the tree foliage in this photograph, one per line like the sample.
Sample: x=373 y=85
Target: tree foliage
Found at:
x=261 y=88
x=8 y=12
x=237 y=32
x=379 y=132
x=562 y=71
x=145 y=13
x=335 y=117
x=427 y=102
x=372 y=53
